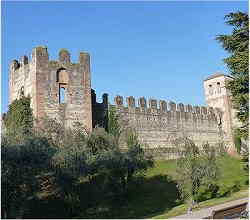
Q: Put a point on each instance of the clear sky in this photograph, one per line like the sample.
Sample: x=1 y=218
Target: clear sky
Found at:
x=159 y=50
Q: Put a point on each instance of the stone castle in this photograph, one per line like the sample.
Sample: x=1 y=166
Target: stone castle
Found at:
x=62 y=90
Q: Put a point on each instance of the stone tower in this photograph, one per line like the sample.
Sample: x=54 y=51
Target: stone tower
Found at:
x=218 y=97
x=58 y=89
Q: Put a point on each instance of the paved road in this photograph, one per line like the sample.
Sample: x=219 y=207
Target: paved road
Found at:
x=205 y=212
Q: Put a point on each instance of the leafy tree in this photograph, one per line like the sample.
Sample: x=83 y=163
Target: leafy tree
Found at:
x=196 y=167
x=236 y=44
x=52 y=129
x=19 y=118
x=114 y=127
x=21 y=163
x=119 y=167
x=131 y=137
x=100 y=140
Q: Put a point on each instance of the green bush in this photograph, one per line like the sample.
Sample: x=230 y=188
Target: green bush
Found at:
x=237 y=140
x=21 y=164
x=19 y=118
x=228 y=190
x=236 y=187
x=207 y=192
x=224 y=191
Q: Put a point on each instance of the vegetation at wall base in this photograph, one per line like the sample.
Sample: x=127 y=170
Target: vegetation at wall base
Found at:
x=19 y=118
x=67 y=169
x=66 y=173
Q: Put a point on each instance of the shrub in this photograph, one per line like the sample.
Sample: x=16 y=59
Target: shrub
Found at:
x=196 y=167
x=237 y=140
x=224 y=191
x=236 y=187
x=207 y=192
x=21 y=164
x=19 y=119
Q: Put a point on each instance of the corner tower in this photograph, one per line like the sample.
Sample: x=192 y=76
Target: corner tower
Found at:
x=218 y=96
x=58 y=89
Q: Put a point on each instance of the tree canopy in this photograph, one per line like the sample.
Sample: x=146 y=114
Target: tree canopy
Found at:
x=19 y=117
x=236 y=44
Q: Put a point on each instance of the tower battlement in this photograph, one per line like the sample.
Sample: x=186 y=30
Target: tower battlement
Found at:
x=58 y=89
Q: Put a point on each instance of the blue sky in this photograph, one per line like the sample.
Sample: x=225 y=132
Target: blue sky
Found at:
x=159 y=50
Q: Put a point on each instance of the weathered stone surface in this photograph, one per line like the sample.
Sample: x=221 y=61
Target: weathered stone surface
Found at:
x=142 y=102
x=197 y=109
x=189 y=108
x=64 y=56
x=119 y=100
x=131 y=101
x=42 y=80
x=153 y=103
x=163 y=105
x=203 y=110
x=172 y=106
x=180 y=107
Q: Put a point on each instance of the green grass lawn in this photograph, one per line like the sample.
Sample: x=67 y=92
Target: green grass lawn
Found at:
x=158 y=194
x=231 y=170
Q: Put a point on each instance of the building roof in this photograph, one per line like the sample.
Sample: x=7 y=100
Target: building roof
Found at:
x=217 y=75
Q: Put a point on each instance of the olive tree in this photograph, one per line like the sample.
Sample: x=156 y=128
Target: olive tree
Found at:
x=196 y=167
x=21 y=164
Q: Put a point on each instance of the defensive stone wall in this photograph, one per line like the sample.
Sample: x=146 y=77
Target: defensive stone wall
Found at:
x=99 y=110
x=45 y=80
x=159 y=123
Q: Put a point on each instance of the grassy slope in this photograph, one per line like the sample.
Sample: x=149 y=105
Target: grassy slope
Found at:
x=158 y=195
x=231 y=170
x=182 y=209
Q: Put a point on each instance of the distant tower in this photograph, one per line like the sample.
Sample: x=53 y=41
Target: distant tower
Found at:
x=58 y=89
x=217 y=96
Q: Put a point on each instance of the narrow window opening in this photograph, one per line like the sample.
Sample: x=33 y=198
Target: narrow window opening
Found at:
x=210 y=90
x=61 y=95
x=218 y=87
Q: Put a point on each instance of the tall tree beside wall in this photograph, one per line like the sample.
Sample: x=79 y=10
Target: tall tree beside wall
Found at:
x=114 y=127
x=19 y=118
x=236 y=44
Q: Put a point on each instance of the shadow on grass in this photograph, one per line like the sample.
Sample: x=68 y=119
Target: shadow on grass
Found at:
x=144 y=197
x=49 y=208
x=147 y=197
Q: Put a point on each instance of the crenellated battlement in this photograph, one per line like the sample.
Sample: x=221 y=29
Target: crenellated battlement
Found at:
x=158 y=121
x=40 y=54
x=58 y=88
x=161 y=106
x=61 y=89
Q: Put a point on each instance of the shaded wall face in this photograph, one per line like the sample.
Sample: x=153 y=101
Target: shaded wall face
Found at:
x=99 y=111
x=159 y=127
x=19 y=80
